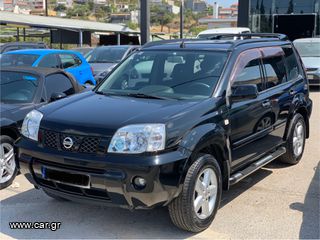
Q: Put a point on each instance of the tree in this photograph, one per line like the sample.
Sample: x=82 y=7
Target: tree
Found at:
x=60 y=8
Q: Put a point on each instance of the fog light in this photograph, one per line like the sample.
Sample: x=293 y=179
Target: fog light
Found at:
x=139 y=183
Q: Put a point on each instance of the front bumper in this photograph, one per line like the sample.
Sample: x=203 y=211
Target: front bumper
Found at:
x=110 y=176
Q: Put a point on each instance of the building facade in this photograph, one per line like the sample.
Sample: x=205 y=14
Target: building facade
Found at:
x=296 y=18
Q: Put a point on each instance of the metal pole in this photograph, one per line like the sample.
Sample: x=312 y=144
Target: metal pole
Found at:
x=24 y=34
x=145 y=21
x=46 y=7
x=118 y=39
x=17 y=37
x=181 y=19
x=80 y=38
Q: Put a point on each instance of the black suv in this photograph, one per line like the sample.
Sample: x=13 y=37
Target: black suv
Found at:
x=173 y=125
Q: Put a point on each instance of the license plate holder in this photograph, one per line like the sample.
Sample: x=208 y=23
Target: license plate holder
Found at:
x=66 y=177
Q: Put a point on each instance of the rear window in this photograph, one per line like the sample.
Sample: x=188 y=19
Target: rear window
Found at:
x=17 y=87
x=106 y=55
x=18 y=59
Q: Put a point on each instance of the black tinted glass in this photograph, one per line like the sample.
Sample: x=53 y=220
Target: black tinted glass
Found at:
x=275 y=71
x=49 y=61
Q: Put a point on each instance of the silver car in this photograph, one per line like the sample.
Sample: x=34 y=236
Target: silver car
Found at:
x=309 y=50
x=103 y=59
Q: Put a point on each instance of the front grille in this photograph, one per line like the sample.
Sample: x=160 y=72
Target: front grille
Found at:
x=83 y=144
x=51 y=139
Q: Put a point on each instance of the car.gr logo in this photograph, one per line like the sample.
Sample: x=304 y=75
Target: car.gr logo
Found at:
x=67 y=143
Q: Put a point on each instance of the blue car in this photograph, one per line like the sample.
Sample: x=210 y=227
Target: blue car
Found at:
x=70 y=61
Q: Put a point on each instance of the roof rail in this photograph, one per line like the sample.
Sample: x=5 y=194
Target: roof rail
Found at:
x=279 y=36
x=179 y=40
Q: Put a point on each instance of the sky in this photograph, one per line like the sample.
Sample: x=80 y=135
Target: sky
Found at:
x=224 y=3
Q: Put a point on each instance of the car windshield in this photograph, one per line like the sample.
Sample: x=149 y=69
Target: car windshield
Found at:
x=167 y=74
x=308 y=49
x=17 y=87
x=106 y=55
x=18 y=59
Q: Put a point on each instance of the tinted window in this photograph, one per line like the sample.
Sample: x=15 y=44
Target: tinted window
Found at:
x=58 y=83
x=49 y=61
x=69 y=60
x=17 y=86
x=251 y=74
x=107 y=54
x=18 y=59
x=291 y=63
x=179 y=74
x=275 y=71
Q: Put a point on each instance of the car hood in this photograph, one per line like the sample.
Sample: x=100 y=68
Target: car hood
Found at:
x=90 y=113
x=101 y=67
x=311 y=62
x=13 y=112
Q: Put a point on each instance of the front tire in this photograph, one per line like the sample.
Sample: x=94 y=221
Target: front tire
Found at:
x=196 y=206
x=8 y=167
x=296 y=141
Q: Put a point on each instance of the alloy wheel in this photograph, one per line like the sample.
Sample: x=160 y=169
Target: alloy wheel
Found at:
x=7 y=162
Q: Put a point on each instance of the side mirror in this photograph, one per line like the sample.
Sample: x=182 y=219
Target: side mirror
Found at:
x=56 y=96
x=244 y=92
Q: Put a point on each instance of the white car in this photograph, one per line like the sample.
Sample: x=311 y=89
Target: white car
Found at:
x=216 y=31
x=309 y=50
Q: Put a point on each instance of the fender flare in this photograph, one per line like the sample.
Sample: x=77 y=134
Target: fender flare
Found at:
x=297 y=105
x=204 y=136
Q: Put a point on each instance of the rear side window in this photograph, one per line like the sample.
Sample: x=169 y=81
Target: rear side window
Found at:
x=69 y=60
x=49 y=61
x=251 y=74
x=291 y=63
x=275 y=71
x=58 y=83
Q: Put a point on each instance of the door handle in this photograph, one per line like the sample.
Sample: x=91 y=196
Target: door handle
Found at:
x=266 y=104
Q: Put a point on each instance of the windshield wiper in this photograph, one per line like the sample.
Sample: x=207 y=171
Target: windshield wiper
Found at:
x=135 y=95
x=143 y=95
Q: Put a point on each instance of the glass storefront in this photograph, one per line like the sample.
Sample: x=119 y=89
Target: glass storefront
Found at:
x=262 y=12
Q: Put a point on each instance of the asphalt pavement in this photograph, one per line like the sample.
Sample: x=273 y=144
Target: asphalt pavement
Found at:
x=276 y=202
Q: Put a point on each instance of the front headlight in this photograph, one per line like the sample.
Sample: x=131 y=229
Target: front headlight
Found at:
x=138 y=138
x=31 y=124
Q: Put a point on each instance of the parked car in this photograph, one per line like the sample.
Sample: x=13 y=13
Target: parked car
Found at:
x=209 y=33
x=83 y=50
x=70 y=61
x=22 y=90
x=13 y=46
x=309 y=50
x=172 y=125
x=103 y=59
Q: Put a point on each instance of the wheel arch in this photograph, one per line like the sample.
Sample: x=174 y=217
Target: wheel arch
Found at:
x=209 y=139
x=304 y=112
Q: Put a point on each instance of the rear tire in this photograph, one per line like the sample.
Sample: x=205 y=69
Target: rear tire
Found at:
x=192 y=210
x=296 y=141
